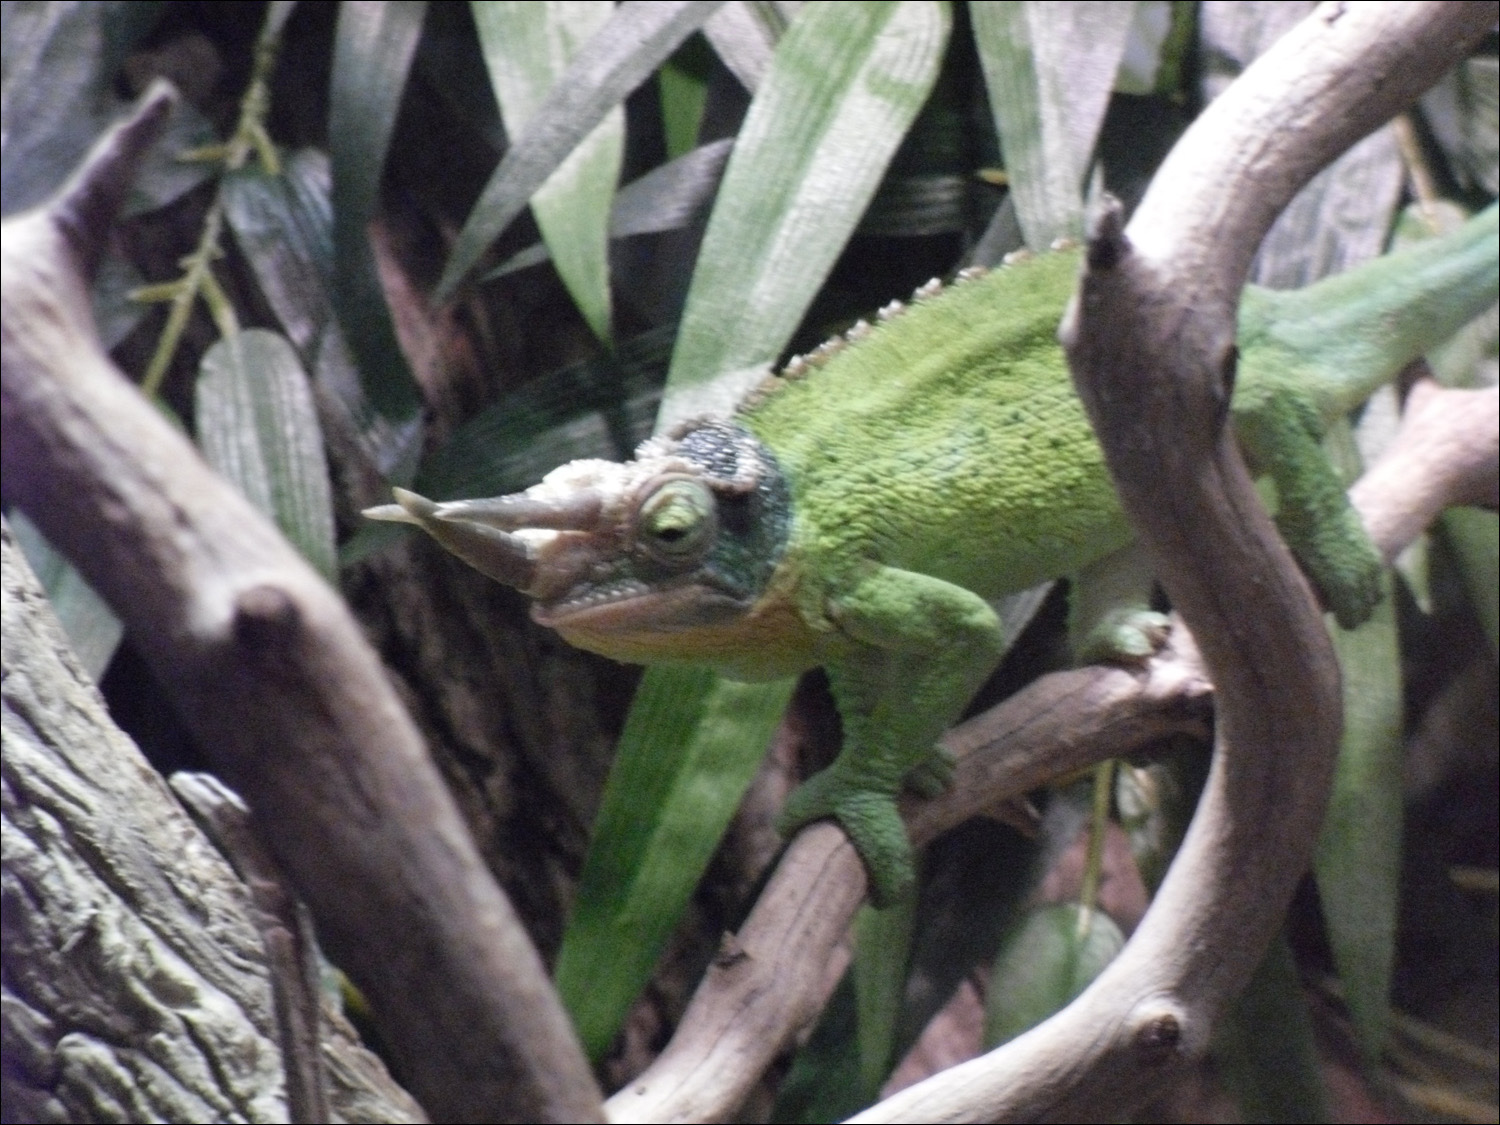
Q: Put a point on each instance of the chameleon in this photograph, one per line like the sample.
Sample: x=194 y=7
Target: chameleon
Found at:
x=862 y=508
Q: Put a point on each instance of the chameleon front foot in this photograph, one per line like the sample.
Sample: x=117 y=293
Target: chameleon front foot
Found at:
x=872 y=823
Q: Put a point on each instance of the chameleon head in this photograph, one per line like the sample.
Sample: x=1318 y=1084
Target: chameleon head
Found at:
x=683 y=537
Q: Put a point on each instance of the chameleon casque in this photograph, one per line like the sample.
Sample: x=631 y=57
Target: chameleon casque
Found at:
x=859 y=510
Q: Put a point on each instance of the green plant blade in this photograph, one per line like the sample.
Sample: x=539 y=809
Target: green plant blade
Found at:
x=1474 y=537
x=1265 y=1048
x=845 y=84
x=86 y=618
x=609 y=66
x=665 y=198
x=1358 y=861
x=284 y=225
x=690 y=747
x=257 y=426
x=1049 y=70
x=58 y=65
x=1043 y=964
x=882 y=954
x=372 y=52
x=526 y=48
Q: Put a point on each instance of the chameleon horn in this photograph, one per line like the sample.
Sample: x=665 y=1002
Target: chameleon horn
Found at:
x=574 y=512
x=489 y=550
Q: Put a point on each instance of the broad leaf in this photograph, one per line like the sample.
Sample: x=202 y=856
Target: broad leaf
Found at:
x=1358 y=861
x=1052 y=956
x=613 y=63
x=1050 y=69
x=86 y=618
x=257 y=426
x=689 y=749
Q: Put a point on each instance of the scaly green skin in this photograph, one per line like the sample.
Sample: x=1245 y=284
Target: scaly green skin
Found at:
x=859 y=512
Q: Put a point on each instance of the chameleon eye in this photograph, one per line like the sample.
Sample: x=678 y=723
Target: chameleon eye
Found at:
x=678 y=520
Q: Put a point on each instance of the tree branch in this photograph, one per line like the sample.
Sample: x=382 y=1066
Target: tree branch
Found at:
x=278 y=686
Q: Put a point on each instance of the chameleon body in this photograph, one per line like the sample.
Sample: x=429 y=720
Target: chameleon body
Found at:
x=861 y=510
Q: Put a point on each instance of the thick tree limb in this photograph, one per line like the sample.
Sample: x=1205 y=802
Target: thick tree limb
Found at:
x=278 y=686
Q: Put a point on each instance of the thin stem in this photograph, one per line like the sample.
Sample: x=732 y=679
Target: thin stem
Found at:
x=1088 y=894
x=197 y=277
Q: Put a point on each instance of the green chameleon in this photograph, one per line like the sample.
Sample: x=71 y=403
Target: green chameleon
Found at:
x=859 y=511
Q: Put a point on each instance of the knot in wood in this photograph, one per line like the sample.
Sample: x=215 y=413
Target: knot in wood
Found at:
x=1157 y=1038
x=264 y=616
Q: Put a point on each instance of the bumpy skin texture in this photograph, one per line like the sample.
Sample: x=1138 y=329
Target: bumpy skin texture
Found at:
x=860 y=511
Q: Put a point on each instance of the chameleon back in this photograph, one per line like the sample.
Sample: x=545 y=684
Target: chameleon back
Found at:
x=949 y=442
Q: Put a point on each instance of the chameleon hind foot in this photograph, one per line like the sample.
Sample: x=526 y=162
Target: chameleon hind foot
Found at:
x=871 y=821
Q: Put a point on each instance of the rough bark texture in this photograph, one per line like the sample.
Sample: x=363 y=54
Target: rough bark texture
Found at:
x=135 y=985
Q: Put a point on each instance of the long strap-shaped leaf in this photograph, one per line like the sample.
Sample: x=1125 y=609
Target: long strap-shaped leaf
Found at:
x=614 y=62
x=1050 y=69
x=845 y=84
x=257 y=426
x=526 y=48
x=372 y=53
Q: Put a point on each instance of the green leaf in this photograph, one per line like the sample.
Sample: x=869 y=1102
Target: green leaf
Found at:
x=823 y=1083
x=1463 y=112
x=1049 y=70
x=257 y=426
x=846 y=82
x=1052 y=956
x=682 y=85
x=86 y=618
x=744 y=36
x=690 y=747
x=1156 y=802
x=1265 y=1048
x=609 y=66
x=58 y=65
x=1358 y=861
x=1473 y=535
x=284 y=226
x=665 y=198
x=527 y=47
x=372 y=53
x=882 y=953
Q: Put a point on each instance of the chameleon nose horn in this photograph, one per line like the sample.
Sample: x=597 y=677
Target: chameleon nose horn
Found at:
x=479 y=531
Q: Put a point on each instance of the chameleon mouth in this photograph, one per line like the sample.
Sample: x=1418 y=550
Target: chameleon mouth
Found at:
x=634 y=605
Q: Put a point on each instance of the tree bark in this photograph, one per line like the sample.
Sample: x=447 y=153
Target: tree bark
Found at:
x=135 y=984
